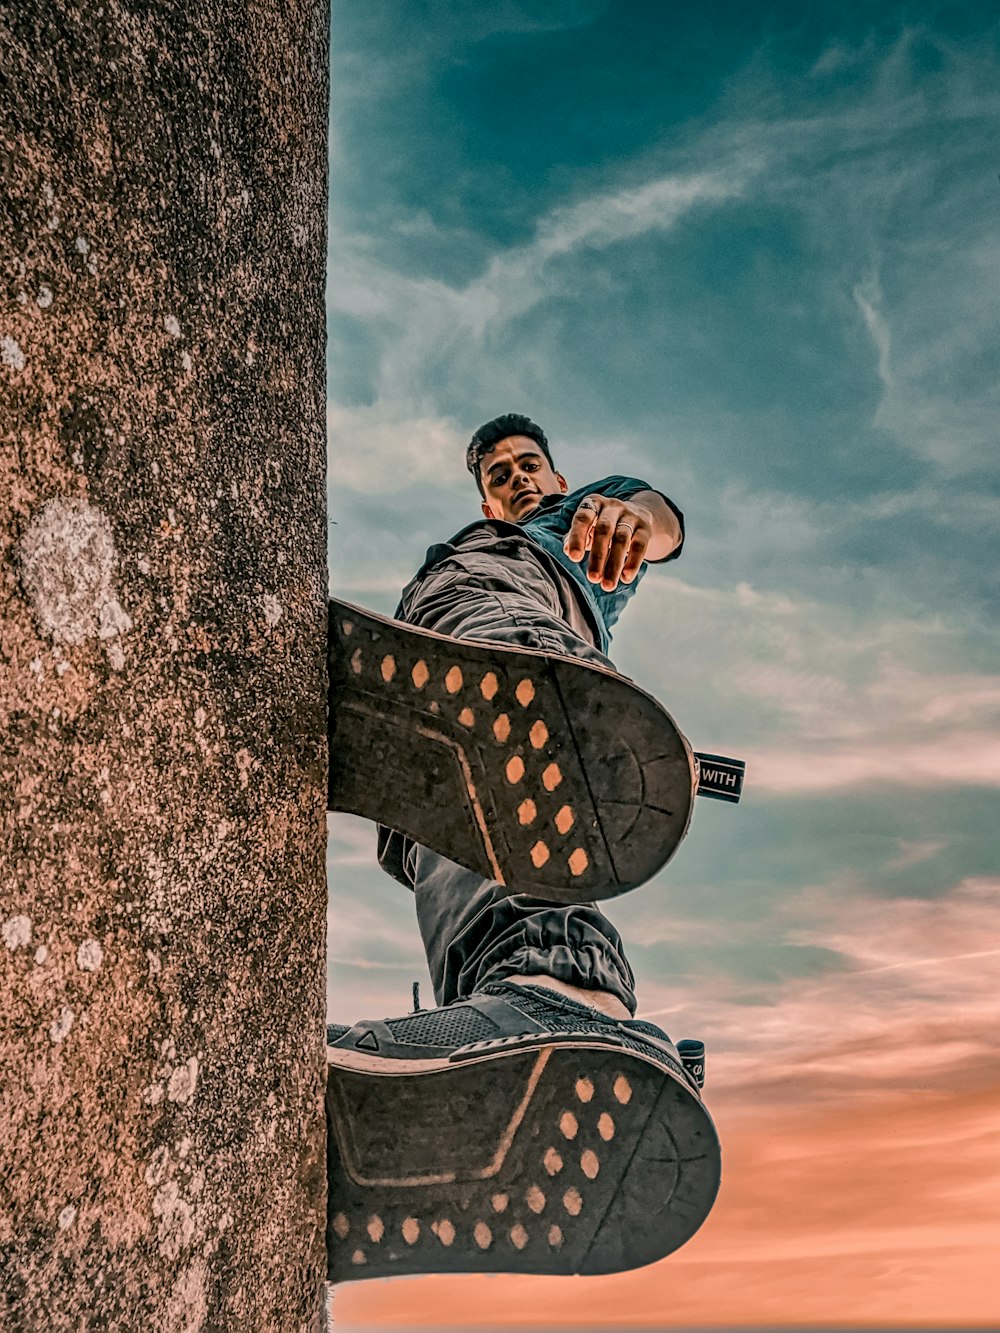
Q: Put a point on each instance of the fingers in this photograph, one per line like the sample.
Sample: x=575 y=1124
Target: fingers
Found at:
x=620 y=538
x=579 y=535
x=624 y=547
x=602 y=544
x=636 y=555
x=616 y=537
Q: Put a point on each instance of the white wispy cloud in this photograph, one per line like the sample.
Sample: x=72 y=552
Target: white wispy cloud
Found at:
x=517 y=278
x=375 y=450
x=913 y=852
x=914 y=259
x=868 y=297
x=426 y=319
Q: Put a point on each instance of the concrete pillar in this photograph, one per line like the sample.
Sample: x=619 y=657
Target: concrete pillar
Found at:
x=162 y=692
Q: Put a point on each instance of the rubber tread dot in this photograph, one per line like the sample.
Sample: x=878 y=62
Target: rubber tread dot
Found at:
x=578 y=861
x=572 y=1201
x=535 y=1199
x=622 y=1090
x=538 y=734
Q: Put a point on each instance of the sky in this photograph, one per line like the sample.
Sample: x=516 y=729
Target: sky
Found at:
x=750 y=254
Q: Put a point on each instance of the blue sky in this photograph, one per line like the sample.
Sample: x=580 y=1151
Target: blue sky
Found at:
x=749 y=254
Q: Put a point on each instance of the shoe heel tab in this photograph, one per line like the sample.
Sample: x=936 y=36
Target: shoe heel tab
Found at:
x=692 y=1053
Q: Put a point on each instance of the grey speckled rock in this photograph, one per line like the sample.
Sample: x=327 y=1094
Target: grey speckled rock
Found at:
x=162 y=646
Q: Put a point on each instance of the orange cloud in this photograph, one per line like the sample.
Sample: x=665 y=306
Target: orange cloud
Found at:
x=885 y=1215
x=860 y=1120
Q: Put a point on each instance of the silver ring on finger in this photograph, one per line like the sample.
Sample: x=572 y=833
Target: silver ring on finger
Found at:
x=628 y=528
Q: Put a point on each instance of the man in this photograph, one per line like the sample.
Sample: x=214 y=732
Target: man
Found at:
x=534 y=1037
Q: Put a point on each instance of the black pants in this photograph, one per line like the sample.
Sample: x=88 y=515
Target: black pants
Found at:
x=472 y=931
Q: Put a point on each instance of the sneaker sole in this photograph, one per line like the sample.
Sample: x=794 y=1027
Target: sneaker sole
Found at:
x=561 y=1158
x=551 y=776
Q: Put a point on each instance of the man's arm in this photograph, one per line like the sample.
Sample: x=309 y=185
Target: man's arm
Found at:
x=620 y=534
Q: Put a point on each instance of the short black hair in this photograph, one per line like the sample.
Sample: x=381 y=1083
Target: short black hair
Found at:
x=489 y=436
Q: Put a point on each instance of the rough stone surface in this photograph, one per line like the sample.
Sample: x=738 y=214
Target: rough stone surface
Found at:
x=162 y=691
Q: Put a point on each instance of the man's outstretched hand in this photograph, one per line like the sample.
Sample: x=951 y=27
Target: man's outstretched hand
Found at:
x=620 y=534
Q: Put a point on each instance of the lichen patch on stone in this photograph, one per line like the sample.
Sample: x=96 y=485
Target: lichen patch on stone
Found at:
x=10 y=353
x=187 y=1309
x=68 y=560
x=16 y=931
x=59 y=1030
x=89 y=956
x=183 y=1081
x=176 y=1218
x=158 y=1167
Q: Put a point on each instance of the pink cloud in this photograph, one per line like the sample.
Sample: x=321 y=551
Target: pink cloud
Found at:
x=912 y=1003
x=963 y=759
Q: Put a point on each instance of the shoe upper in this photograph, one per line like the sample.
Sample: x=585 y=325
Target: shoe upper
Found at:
x=503 y=1014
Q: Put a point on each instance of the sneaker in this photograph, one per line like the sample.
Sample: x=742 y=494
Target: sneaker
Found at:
x=551 y=776
x=517 y=1131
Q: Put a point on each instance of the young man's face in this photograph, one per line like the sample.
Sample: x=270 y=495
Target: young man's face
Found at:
x=515 y=476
